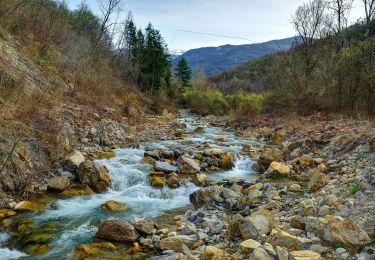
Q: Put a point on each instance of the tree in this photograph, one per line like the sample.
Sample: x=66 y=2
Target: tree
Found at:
x=369 y=9
x=183 y=72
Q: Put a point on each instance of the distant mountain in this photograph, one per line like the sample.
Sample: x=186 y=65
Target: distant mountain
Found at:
x=214 y=60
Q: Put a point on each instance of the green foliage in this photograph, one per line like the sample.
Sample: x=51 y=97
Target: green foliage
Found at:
x=183 y=72
x=209 y=101
x=353 y=190
x=247 y=105
x=337 y=245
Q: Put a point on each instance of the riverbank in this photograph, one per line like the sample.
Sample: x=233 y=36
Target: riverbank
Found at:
x=314 y=198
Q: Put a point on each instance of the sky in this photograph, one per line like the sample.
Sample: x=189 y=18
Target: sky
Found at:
x=251 y=20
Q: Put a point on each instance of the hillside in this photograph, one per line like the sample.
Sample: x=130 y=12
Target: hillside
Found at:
x=214 y=60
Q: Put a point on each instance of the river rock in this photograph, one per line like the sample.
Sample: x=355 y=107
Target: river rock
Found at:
x=104 y=154
x=153 y=154
x=112 y=205
x=4 y=213
x=268 y=156
x=304 y=255
x=278 y=169
x=187 y=165
x=157 y=179
x=173 y=182
x=175 y=242
x=317 y=181
x=58 y=183
x=206 y=196
x=214 y=253
x=260 y=254
x=165 y=167
x=259 y=223
x=199 y=130
x=143 y=225
x=249 y=246
x=28 y=206
x=73 y=161
x=213 y=152
x=227 y=161
x=168 y=154
x=94 y=175
x=282 y=253
x=279 y=136
x=77 y=190
x=117 y=230
x=94 y=249
x=284 y=239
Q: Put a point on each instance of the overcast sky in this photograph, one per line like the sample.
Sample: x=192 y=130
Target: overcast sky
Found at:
x=254 y=20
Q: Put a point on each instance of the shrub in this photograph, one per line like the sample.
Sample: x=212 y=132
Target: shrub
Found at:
x=208 y=101
x=246 y=105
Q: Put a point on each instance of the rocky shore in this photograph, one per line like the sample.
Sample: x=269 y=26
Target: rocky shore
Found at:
x=314 y=199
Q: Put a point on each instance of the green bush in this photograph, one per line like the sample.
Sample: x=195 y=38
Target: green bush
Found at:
x=245 y=105
x=208 y=101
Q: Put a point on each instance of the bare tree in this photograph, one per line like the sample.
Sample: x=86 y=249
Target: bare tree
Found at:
x=341 y=10
x=369 y=9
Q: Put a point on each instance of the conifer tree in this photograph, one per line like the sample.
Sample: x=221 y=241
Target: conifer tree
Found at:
x=183 y=72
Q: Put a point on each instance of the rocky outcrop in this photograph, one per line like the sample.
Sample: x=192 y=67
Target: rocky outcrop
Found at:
x=117 y=230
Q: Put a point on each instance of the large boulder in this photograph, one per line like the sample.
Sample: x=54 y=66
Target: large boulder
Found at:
x=143 y=225
x=112 y=205
x=165 y=167
x=259 y=223
x=188 y=165
x=59 y=183
x=227 y=161
x=73 y=161
x=317 y=181
x=94 y=175
x=284 y=239
x=117 y=230
x=268 y=156
x=278 y=169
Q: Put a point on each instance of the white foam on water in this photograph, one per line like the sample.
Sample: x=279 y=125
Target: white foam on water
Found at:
x=6 y=253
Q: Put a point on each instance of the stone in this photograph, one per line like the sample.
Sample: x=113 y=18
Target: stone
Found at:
x=227 y=161
x=372 y=145
x=146 y=226
x=268 y=156
x=206 y=196
x=77 y=190
x=294 y=187
x=259 y=223
x=153 y=154
x=201 y=177
x=284 y=239
x=214 y=253
x=345 y=232
x=173 y=182
x=317 y=181
x=104 y=155
x=278 y=169
x=112 y=205
x=165 y=167
x=58 y=183
x=297 y=222
x=168 y=154
x=175 y=242
x=188 y=229
x=279 y=136
x=187 y=165
x=248 y=246
x=157 y=180
x=199 y=130
x=94 y=175
x=93 y=249
x=282 y=253
x=29 y=206
x=73 y=161
x=260 y=254
x=117 y=230
x=213 y=152
x=4 y=213
x=304 y=255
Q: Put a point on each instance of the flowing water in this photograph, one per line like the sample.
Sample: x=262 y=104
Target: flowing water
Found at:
x=71 y=222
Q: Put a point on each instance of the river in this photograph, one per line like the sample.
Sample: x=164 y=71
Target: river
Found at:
x=67 y=223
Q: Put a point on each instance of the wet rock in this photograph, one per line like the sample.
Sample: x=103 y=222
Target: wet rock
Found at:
x=153 y=154
x=278 y=169
x=93 y=249
x=317 y=181
x=94 y=175
x=199 y=130
x=39 y=249
x=213 y=253
x=29 y=206
x=304 y=255
x=157 y=179
x=268 y=156
x=117 y=230
x=206 y=196
x=112 y=205
x=173 y=182
x=58 y=183
x=213 y=152
x=149 y=160
x=201 y=177
x=279 y=136
x=248 y=246
x=4 y=213
x=168 y=154
x=175 y=243
x=104 y=154
x=165 y=167
x=143 y=225
x=77 y=190
x=284 y=239
x=73 y=161
x=227 y=161
x=187 y=165
x=282 y=253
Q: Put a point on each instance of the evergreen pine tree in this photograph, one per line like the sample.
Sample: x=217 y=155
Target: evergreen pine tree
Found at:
x=183 y=72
